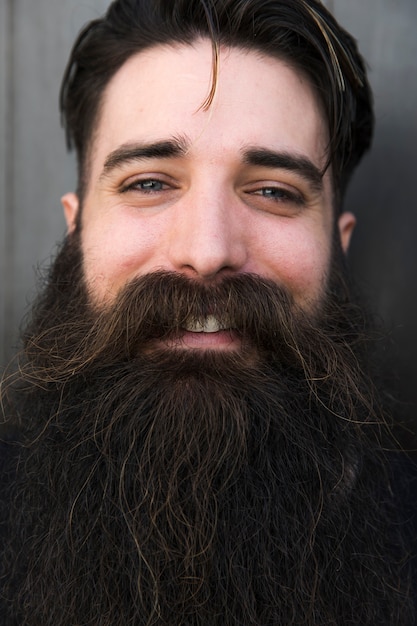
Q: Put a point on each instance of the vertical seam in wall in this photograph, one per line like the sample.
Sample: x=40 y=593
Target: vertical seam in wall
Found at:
x=9 y=237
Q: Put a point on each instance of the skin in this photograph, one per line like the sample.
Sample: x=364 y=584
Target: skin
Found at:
x=208 y=193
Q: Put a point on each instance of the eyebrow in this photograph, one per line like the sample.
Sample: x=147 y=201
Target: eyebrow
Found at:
x=263 y=157
x=140 y=151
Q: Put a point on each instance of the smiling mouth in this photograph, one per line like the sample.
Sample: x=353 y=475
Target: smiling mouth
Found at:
x=209 y=324
x=205 y=333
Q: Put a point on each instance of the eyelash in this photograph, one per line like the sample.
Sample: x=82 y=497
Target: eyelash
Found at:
x=135 y=185
x=285 y=195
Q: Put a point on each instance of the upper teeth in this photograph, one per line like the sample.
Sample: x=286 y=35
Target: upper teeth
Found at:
x=209 y=324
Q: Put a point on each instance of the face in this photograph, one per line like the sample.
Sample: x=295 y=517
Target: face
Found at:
x=235 y=188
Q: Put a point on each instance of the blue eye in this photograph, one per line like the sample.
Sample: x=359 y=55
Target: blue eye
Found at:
x=274 y=197
x=149 y=190
x=273 y=192
x=279 y=194
x=148 y=185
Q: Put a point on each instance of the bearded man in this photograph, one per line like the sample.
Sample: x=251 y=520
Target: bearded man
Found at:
x=196 y=437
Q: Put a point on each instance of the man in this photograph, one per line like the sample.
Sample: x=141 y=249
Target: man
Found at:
x=196 y=436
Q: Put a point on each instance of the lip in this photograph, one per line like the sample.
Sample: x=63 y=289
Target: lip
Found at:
x=221 y=340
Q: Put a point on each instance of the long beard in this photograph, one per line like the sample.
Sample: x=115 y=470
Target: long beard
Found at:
x=163 y=486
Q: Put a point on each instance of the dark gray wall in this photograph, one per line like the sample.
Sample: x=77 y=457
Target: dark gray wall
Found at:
x=35 y=38
x=383 y=193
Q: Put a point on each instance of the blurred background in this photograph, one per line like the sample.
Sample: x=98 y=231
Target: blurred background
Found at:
x=35 y=170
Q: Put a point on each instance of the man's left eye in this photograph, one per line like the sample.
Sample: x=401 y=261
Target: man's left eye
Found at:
x=279 y=194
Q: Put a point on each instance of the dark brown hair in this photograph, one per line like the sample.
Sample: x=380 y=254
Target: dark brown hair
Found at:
x=302 y=32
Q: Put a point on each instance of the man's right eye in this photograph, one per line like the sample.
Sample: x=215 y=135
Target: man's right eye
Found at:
x=146 y=185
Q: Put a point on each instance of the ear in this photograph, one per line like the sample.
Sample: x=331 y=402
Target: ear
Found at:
x=346 y=224
x=71 y=205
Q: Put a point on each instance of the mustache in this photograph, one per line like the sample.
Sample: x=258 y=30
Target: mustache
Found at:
x=162 y=305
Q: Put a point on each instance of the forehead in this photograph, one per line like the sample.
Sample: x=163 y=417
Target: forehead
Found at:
x=259 y=100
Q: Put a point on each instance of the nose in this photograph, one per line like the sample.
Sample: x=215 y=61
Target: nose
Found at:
x=207 y=237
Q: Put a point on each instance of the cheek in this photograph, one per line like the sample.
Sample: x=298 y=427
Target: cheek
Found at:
x=308 y=273
x=113 y=255
x=299 y=259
